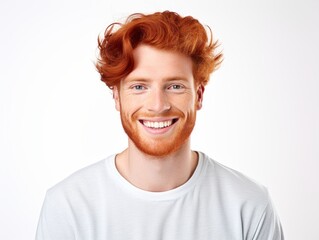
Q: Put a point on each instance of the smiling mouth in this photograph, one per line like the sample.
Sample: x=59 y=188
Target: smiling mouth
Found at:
x=159 y=124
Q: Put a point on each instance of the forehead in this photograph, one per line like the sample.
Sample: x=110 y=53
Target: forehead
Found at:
x=150 y=62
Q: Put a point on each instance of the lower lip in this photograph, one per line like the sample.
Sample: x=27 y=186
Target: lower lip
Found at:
x=158 y=131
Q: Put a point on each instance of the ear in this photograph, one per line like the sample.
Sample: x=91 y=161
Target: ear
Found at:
x=116 y=97
x=200 y=95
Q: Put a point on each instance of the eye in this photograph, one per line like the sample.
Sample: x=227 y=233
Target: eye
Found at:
x=176 y=87
x=138 y=87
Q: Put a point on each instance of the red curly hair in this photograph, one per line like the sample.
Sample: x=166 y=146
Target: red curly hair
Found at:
x=162 y=30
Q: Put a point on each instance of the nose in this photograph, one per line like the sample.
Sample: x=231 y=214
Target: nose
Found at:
x=157 y=101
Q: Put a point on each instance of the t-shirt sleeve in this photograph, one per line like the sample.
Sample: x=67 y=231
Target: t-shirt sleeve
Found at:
x=55 y=222
x=269 y=226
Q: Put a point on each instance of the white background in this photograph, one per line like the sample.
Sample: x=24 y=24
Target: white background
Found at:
x=260 y=113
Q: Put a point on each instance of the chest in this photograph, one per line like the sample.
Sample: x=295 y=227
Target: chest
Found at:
x=193 y=216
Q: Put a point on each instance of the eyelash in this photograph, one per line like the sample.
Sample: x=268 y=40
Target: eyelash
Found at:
x=140 y=87
x=176 y=85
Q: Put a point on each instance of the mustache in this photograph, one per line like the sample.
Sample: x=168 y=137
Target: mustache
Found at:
x=172 y=113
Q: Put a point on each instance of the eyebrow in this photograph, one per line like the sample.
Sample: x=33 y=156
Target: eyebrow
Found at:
x=169 y=79
x=178 y=78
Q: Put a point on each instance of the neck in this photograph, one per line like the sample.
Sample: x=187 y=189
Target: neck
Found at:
x=156 y=174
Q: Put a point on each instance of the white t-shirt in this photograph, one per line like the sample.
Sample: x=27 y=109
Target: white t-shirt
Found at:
x=97 y=203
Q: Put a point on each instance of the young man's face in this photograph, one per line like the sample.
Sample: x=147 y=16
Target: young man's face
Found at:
x=158 y=101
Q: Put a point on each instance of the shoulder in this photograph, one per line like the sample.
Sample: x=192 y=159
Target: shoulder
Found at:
x=83 y=180
x=243 y=198
x=234 y=185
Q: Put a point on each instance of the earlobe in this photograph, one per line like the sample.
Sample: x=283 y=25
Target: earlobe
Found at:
x=200 y=94
x=116 y=98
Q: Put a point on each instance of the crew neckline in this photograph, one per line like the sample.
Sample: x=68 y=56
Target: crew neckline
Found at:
x=157 y=196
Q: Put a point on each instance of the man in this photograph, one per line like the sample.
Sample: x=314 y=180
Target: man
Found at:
x=157 y=66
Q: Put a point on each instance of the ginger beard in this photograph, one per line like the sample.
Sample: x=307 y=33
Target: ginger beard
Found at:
x=159 y=146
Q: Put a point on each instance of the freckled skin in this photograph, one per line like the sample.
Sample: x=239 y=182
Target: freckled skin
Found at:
x=161 y=87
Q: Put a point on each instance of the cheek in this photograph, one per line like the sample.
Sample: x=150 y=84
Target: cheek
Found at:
x=125 y=103
x=186 y=104
x=130 y=108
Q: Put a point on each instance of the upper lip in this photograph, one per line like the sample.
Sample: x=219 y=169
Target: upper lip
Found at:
x=157 y=119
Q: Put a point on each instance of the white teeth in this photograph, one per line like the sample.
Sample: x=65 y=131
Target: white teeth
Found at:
x=157 y=124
